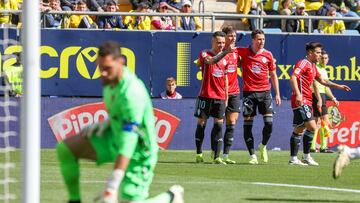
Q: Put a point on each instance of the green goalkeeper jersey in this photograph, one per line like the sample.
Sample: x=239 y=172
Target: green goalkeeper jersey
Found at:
x=131 y=119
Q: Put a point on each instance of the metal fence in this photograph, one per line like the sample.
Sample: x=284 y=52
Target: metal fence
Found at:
x=212 y=16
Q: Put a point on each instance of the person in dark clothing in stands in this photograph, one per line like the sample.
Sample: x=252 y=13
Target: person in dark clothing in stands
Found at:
x=153 y=4
x=298 y=25
x=189 y=22
x=68 y=5
x=110 y=22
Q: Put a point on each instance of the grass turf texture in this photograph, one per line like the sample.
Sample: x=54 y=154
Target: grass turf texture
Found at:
x=208 y=182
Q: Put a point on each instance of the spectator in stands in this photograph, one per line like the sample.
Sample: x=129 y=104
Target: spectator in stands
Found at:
x=271 y=8
x=98 y=5
x=153 y=4
x=44 y=6
x=343 y=9
x=162 y=23
x=8 y=19
x=313 y=6
x=12 y=76
x=176 y=4
x=331 y=26
x=81 y=21
x=189 y=23
x=53 y=20
x=251 y=7
x=170 y=92
x=110 y=22
x=138 y=22
x=316 y=7
x=68 y=5
x=298 y=25
x=285 y=10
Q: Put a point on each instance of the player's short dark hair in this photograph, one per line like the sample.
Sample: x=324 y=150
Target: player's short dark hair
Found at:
x=144 y=5
x=110 y=48
x=228 y=29
x=218 y=34
x=323 y=52
x=111 y=3
x=331 y=9
x=256 y=32
x=80 y=2
x=311 y=46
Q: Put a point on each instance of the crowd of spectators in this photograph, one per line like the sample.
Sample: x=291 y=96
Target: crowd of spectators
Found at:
x=116 y=22
x=334 y=8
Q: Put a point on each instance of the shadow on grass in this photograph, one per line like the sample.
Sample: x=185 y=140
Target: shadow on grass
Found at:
x=295 y=200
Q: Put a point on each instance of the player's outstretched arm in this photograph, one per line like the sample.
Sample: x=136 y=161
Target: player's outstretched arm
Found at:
x=295 y=88
x=214 y=59
x=332 y=84
x=275 y=82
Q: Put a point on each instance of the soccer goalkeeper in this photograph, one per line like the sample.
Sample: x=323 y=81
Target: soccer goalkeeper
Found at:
x=127 y=138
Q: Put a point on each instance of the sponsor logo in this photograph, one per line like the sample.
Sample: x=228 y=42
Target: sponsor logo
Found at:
x=256 y=69
x=70 y=122
x=344 y=124
x=217 y=73
x=231 y=69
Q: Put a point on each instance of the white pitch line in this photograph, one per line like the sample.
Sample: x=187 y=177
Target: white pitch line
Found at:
x=230 y=182
x=307 y=187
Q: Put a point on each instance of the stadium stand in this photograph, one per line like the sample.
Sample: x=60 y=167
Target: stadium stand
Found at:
x=348 y=8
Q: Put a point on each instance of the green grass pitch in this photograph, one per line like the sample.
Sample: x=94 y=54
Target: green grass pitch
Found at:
x=213 y=183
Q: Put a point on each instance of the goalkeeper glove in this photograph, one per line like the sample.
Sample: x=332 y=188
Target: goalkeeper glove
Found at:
x=110 y=193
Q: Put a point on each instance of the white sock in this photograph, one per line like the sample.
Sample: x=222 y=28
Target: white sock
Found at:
x=353 y=153
x=306 y=156
x=225 y=155
x=253 y=156
x=293 y=158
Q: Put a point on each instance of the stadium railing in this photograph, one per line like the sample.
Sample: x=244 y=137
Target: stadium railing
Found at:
x=211 y=16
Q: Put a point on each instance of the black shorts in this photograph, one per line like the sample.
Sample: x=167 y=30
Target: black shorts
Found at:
x=323 y=112
x=302 y=114
x=233 y=103
x=260 y=100
x=206 y=107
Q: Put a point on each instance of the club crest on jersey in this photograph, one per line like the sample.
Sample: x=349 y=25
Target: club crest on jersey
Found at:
x=224 y=62
x=204 y=54
x=231 y=68
x=217 y=73
x=255 y=69
x=264 y=60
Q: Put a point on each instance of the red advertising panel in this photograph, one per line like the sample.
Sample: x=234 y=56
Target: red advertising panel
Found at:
x=344 y=123
x=70 y=121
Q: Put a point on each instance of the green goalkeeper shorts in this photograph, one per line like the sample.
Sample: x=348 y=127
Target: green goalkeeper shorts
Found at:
x=139 y=174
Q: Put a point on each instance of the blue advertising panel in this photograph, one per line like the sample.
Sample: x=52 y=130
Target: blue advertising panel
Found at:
x=69 y=59
x=69 y=67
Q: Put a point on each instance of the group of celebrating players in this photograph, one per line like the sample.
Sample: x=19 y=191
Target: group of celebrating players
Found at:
x=219 y=96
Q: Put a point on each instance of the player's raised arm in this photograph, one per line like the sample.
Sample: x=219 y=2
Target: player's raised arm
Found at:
x=214 y=59
x=332 y=84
